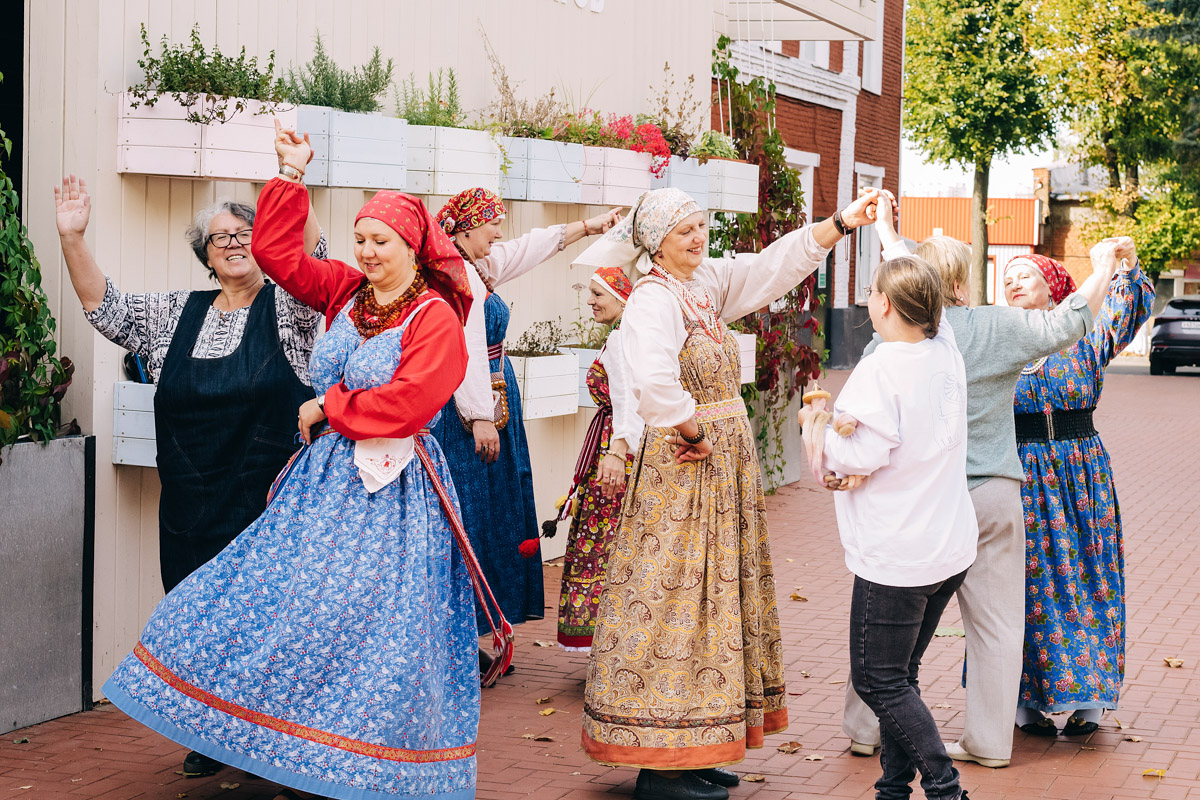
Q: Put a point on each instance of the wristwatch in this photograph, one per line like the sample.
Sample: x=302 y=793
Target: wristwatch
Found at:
x=321 y=402
x=840 y=224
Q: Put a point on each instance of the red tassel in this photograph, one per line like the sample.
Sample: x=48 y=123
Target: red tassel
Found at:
x=529 y=548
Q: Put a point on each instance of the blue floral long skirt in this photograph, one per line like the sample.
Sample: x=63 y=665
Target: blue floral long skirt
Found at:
x=331 y=647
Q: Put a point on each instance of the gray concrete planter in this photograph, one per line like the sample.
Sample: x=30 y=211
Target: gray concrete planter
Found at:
x=46 y=526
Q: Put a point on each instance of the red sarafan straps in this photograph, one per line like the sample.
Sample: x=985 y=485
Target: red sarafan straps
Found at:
x=502 y=637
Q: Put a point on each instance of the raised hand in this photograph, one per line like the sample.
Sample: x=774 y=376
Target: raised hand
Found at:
x=1104 y=257
x=292 y=148
x=603 y=222
x=862 y=210
x=72 y=206
x=1126 y=250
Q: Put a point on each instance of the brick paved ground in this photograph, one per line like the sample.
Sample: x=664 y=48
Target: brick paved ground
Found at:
x=1151 y=427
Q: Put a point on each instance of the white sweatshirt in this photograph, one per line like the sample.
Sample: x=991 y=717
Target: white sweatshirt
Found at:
x=912 y=523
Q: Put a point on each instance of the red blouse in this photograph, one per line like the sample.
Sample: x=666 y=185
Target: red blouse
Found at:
x=433 y=360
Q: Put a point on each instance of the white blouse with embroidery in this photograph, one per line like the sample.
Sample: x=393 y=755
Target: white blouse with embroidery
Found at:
x=627 y=424
x=145 y=322
x=506 y=261
x=654 y=332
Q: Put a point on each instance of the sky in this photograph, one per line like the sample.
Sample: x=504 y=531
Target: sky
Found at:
x=1012 y=177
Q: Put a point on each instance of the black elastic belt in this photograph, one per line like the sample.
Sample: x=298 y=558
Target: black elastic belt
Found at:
x=1055 y=426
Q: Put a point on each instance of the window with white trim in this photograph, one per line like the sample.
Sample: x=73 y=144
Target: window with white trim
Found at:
x=872 y=60
x=806 y=164
x=867 y=252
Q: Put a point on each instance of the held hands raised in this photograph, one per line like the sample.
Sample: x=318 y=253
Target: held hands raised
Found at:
x=291 y=148
x=72 y=207
x=602 y=223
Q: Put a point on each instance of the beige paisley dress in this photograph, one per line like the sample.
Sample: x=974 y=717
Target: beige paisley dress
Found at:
x=686 y=668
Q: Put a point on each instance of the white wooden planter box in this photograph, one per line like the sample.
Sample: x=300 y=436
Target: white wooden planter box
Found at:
x=614 y=177
x=445 y=161
x=732 y=186
x=133 y=425
x=747 y=344
x=158 y=140
x=586 y=357
x=514 y=163
x=687 y=174
x=548 y=384
x=555 y=172
x=365 y=151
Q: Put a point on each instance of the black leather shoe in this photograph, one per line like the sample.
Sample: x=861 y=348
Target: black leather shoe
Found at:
x=719 y=776
x=198 y=765
x=653 y=785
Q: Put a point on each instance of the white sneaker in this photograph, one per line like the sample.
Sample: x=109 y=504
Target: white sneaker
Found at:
x=863 y=749
x=959 y=753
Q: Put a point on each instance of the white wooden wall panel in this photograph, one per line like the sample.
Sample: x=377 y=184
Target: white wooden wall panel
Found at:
x=81 y=53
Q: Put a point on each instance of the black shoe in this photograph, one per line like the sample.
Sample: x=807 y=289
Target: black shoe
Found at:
x=652 y=785
x=198 y=765
x=717 y=775
x=1078 y=726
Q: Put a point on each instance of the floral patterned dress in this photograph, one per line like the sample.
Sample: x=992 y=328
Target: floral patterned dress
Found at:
x=1074 y=656
x=594 y=524
x=331 y=647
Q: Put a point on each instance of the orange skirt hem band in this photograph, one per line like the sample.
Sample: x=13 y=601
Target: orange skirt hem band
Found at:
x=668 y=758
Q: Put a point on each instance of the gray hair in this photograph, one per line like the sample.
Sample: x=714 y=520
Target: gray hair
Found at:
x=197 y=234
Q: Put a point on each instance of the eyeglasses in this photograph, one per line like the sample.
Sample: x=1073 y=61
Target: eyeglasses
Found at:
x=868 y=291
x=224 y=240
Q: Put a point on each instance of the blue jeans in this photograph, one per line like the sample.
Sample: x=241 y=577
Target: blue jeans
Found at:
x=890 y=627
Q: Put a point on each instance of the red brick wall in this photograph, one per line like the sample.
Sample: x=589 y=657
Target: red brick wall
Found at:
x=814 y=129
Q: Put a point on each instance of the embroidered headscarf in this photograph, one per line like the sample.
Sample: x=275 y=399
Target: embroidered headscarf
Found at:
x=637 y=237
x=614 y=281
x=1055 y=274
x=469 y=209
x=439 y=260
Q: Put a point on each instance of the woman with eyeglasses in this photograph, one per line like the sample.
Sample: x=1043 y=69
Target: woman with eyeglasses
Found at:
x=230 y=366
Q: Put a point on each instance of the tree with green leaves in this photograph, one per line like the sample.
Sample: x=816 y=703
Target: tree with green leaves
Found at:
x=972 y=95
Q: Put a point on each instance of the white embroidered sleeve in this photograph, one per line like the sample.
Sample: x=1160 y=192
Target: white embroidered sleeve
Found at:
x=512 y=259
x=748 y=281
x=654 y=335
x=627 y=424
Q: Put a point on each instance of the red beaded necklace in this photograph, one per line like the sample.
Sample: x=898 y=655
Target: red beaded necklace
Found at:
x=698 y=303
x=372 y=319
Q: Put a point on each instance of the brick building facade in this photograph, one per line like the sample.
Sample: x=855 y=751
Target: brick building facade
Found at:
x=838 y=110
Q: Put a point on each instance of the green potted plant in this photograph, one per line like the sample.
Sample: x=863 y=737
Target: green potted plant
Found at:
x=546 y=375
x=675 y=111
x=200 y=114
x=353 y=144
x=44 y=481
x=445 y=155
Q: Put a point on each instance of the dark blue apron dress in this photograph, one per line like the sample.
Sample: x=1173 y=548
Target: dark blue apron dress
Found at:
x=225 y=427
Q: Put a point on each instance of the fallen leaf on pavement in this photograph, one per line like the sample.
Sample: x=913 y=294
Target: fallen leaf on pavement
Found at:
x=547 y=712
x=1174 y=662
x=22 y=787
x=814 y=757
x=1086 y=747
x=754 y=777
x=804 y=674
x=1154 y=773
x=230 y=785
x=535 y=737
x=1120 y=725
x=180 y=796
x=1133 y=738
x=22 y=740
x=540 y=643
x=942 y=705
x=800 y=597
x=790 y=747
x=949 y=632
x=835 y=683
x=790 y=560
x=541 y=700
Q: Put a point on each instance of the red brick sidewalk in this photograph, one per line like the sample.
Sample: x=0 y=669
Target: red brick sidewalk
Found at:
x=1152 y=428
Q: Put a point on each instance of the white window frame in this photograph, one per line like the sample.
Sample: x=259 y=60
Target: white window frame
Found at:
x=868 y=250
x=872 y=61
x=806 y=164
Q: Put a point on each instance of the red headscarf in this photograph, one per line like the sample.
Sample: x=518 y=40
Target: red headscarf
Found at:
x=1056 y=275
x=441 y=265
x=615 y=281
x=469 y=209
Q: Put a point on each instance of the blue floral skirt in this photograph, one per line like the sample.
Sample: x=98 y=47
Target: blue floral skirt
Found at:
x=1074 y=578
x=331 y=647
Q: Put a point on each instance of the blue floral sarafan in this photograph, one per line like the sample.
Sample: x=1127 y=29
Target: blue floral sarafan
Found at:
x=1074 y=655
x=331 y=647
